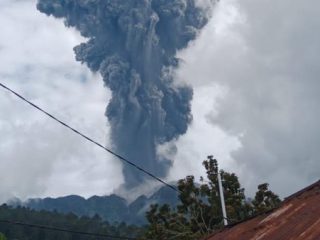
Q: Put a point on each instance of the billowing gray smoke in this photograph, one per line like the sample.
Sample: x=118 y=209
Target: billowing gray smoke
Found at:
x=133 y=43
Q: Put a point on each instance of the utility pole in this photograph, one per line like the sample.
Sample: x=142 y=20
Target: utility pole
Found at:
x=223 y=206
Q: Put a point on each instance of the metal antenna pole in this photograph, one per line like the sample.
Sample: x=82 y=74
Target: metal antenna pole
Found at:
x=224 y=213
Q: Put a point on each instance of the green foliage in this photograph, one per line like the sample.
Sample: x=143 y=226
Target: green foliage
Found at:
x=66 y=221
x=2 y=236
x=265 y=199
x=199 y=212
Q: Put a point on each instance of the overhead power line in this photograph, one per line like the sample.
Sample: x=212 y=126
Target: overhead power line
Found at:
x=90 y=139
x=45 y=227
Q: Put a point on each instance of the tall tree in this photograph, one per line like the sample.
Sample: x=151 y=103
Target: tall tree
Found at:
x=199 y=212
x=265 y=199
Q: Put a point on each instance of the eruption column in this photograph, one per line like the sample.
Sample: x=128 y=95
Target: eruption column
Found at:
x=133 y=43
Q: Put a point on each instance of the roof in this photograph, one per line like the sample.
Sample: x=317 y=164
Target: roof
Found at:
x=297 y=218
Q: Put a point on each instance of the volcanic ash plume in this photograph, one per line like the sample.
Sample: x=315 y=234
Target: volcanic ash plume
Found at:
x=132 y=43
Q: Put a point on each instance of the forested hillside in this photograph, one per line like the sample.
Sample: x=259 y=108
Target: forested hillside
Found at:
x=65 y=221
x=110 y=208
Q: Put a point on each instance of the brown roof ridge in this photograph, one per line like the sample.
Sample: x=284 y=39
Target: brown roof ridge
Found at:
x=290 y=197
x=233 y=224
x=308 y=188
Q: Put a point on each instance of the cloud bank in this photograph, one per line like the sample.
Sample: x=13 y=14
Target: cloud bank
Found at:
x=37 y=156
x=264 y=57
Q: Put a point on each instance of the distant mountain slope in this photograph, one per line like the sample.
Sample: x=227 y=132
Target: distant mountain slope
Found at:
x=58 y=220
x=111 y=208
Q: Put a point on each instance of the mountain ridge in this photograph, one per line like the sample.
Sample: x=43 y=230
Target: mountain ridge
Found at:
x=111 y=208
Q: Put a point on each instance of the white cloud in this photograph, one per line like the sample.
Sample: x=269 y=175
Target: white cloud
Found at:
x=265 y=55
x=37 y=156
x=202 y=139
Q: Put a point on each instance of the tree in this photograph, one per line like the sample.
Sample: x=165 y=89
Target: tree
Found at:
x=265 y=199
x=66 y=221
x=199 y=212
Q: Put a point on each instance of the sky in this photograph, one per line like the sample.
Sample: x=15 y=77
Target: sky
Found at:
x=254 y=71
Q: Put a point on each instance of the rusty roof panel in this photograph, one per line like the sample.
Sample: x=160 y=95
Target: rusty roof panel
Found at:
x=298 y=218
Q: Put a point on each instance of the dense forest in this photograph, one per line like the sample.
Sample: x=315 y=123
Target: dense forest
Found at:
x=64 y=221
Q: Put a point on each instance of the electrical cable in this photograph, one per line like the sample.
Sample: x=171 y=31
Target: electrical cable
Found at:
x=65 y=230
x=90 y=139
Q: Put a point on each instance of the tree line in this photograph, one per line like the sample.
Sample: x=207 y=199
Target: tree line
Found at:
x=197 y=214
x=58 y=220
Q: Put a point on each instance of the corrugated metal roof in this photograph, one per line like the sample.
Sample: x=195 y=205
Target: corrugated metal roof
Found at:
x=298 y=218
